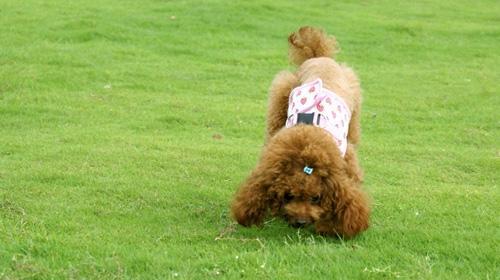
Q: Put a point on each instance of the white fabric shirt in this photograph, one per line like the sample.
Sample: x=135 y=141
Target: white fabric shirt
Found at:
x=327 y=110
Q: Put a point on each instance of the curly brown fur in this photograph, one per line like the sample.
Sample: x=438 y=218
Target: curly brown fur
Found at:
x=309 y=42
x=331 y=197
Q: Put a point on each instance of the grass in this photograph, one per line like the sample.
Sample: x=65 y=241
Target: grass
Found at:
x=126 y=126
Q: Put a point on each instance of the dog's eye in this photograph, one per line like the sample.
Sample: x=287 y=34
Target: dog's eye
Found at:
x=315 y=199
x=288 y=197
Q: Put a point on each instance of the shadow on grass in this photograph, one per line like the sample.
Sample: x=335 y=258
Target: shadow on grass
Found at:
x=212 y=214
x=275 y=231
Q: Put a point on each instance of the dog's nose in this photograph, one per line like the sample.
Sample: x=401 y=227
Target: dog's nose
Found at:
x=302 y=222
x=299 y=223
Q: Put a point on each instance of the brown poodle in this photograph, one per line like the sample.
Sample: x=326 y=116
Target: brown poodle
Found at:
x=306 y=174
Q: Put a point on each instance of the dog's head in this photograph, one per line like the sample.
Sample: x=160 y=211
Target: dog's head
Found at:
x=304 y=163
x=302 y=178
x=297 y=197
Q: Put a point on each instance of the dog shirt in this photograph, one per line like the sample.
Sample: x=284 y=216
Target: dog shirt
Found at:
x=311 y=103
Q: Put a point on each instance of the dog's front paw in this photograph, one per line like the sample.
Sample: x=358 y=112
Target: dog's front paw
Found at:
x=247 y=216
x=325 y=228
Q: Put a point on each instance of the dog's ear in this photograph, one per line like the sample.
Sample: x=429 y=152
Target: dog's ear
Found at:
x=251 y=201
x=350 y=209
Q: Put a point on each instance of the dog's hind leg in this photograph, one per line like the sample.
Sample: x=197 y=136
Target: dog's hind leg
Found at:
x=354 y=171
x=355 y=92
x=277 y=109
x=354 y=125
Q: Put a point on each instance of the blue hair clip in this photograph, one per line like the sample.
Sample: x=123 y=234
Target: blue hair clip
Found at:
x=308 y=170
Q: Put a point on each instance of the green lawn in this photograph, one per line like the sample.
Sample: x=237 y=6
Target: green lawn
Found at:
x=127 y=126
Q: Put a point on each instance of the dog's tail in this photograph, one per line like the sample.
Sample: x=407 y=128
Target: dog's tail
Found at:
x=310 y=42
